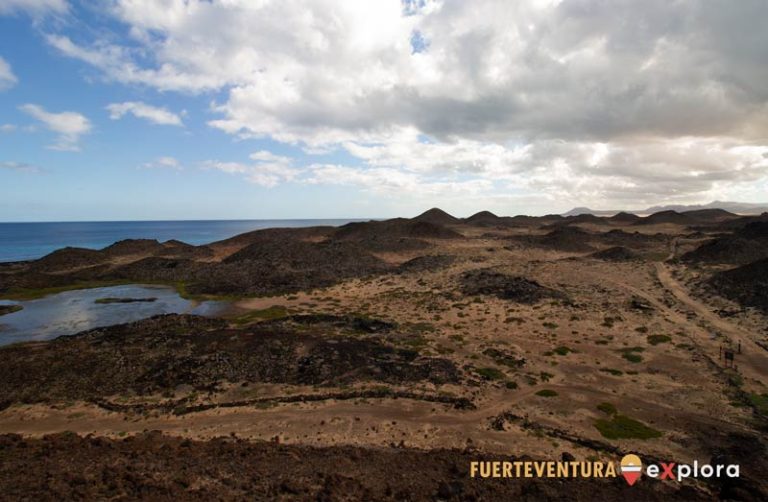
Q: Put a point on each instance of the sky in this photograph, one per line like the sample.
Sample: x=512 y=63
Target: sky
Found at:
x=239 y=109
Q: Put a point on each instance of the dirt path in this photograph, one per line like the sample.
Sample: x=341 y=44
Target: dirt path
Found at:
x=753 y=360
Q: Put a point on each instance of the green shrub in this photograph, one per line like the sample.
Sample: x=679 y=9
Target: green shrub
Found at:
x=623 y=427
x=607 y=408
x=760 y=402
x=546 y=393
x=657 y=339
x=631 y=357
x=612 y=371
x=273 y=312
x=562 y=351
x=490 y=373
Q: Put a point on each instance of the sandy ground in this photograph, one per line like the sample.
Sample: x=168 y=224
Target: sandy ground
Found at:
x=576 y=349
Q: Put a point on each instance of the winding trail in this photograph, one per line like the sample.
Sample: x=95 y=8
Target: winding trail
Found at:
x=753 y=360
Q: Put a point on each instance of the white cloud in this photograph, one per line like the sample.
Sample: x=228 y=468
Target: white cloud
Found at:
x=8 y=128
x=389 y=181
x=163 y=163
x=33 y=7
x=7 y=78
x=18 y=166
x=563 y=99
x=267 y=170
x=68 y=125
x=141 y=110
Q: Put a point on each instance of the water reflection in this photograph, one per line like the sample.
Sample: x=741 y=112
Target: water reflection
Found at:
x=70 y=312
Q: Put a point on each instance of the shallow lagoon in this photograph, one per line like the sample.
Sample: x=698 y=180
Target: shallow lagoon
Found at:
x=71 y=312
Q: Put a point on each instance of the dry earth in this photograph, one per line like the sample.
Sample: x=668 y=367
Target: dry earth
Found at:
x=524 y=328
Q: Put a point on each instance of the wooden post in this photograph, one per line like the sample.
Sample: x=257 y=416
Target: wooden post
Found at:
x=729 y=358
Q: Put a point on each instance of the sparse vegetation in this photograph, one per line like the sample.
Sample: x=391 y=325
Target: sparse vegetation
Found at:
x=760 y=403
x=657 y=339
x=607 y=408
x=490 y=373
x=623 y=427
x=632 y=357
x=546 y=393
x=273 y=312
x=629 y=353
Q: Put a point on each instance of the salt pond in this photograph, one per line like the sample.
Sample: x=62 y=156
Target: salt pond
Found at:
x=70 y=312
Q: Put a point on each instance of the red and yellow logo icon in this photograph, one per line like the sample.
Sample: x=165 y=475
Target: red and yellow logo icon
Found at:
x=631 y=468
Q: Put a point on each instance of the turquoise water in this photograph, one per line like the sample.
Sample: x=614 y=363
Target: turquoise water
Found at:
x=27 y=241
x=71 y=312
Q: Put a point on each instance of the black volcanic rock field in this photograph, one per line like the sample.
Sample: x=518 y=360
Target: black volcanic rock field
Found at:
x=747 y=285
x=376 y=360
x=155 y=467
x=514 y=288
x=747 y=244
x=261 y=262
x=161 y=353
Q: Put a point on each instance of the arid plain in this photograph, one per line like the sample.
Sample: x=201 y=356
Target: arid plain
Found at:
x=411 y=345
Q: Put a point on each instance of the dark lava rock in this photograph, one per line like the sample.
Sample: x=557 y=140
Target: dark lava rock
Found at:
x=730 y=249
x=506 y=287
x=355 y=323
x=395 y=228
x=616 y=253
x=756 y=230
x=571 y=239
x=746 y=245
x=276 y=234
x=428 y=263
x=270 y=266
x=66 y=258
x=624 y=217
x=585 y=218
x=132 y=247
x=505 y=358
x=710 y=215
x=562 y=238
x=174 y=248
x=667 y=217
x=618 y=237
x=152 y=466
x=484 y=219
x=395 y=235
x=156 y=269
x=437 y=216
x=163 y=352
x=746 y=285
x=9 y=309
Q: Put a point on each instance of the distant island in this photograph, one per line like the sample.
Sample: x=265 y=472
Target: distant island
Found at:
x=733 y=207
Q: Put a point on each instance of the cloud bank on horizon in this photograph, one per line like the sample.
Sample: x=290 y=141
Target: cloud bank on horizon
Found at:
x=465 y=104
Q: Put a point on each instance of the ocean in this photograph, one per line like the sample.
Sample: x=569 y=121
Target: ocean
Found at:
x=28 y=241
